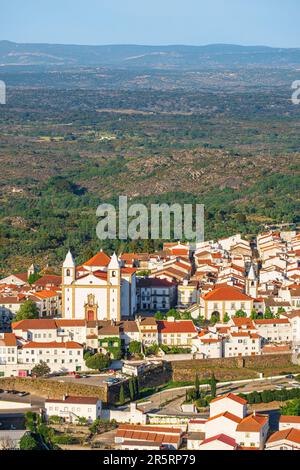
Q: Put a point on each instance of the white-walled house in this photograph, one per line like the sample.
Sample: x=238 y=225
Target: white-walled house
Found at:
x=224 y=422
x=224 y=300
x=230 y=402
x=66 y=357
x=242 y=344
x=8 y=349
x=219 y=442
x=275 y=330
x=288 y=422
x=252 y=431
x=71 y=408
x=286 y=439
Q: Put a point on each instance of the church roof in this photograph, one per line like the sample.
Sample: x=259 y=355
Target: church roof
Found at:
x=100 y=259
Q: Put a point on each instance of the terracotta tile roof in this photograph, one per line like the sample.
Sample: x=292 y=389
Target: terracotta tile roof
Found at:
x=48 y=279
x=53 y=344
x=22 y=276
x=46 y=294
x=227 y=415
x=156 y=434
x=10 y=300
x=9 y=339
x=243 y=322
x=252 y=423
x=226 y=293
x=70 y=323
x=231 y=396
x=180 y=326
x=221 y=438
x=271 y=321
x=292 y=435
x=289 y=419
x=100 y=259
x=76 y=400
x=35 y=324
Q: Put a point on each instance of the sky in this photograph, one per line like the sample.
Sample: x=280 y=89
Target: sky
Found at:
x=156 y=22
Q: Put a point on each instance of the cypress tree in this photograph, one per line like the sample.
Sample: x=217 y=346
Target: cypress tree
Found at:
x=122 y=395
x=131 y=390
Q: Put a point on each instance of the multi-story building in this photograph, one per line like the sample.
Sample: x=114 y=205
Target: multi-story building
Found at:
x=242 y=343
x=275 y=330
x=98 y=290
x=155 y=294
x=70 y=408
x=225 y=299
x=176 y=332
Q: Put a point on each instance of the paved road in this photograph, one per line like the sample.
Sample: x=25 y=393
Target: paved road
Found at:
x=175 y=397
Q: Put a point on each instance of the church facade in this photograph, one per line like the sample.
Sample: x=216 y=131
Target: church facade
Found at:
x=99 y=289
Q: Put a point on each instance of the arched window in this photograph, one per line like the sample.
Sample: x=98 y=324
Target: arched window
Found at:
x=68 y=272
x=114 y=274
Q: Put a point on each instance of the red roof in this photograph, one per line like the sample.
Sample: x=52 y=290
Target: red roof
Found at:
x=222 y=438
x=48 y=279
x=9 y=339
x=231 y=396
x=289 y=419
x=226 y=293
x=35 y=324
x=76 y=400
x=53 y=344
x=100 y=259
x=271 y=321
x=179 y=326
x=252 y=423
x=227 y=415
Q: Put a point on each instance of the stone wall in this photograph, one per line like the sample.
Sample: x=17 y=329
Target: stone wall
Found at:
x=53 y=389
x=228 y=368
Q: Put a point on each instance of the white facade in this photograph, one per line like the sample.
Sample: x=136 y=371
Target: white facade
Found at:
x=72 y=408
x=275 y=330
x=235 y=405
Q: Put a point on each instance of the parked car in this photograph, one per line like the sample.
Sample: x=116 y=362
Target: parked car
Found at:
x=77 y=376
x=290 y=376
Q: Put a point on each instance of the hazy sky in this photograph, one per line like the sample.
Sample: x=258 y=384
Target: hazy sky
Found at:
x=255 y=22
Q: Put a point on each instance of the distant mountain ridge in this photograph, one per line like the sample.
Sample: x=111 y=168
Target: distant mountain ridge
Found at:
x=213 y=55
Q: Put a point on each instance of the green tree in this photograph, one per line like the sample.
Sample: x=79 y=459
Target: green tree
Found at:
x=135 y=347
x=173 y=313
x=268 y=314
x=215 y=318
x=98 y=361
x=240 y=314
x=137 y=387
x=27 y=311
x=253 y=314
x=213 y=386
x=159 y=316
x=32 y=278
x=197 y=385
x=122 y=395
x=131 y=390
x=226 y=318
x=292 y=408
x=28 y=442
x=82 y=421
x=31 y=420
x=40 y=369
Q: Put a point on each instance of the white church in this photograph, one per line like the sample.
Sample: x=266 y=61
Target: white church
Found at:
x=99 y=289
